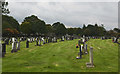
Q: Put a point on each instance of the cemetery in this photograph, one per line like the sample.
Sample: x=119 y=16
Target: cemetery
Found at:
x=36 y=46
x=61 y=56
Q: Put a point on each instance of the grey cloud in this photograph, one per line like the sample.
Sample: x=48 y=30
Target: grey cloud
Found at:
x=72 y=14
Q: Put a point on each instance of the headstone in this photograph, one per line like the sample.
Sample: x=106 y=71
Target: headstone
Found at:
x=10 y=41
x=54 y=39
x=86 y=49
x=46 y=40
x=116 y=40
x=14 y=45
x=3 y=49
x=36 y=41
x=39 y=42
x=72 y=37
x=90 y=64
x=62 y=39
x=43 y=40
x=7 y=41
x=20 y=39
x=33 y=39
x=27 y=44
x=80 y=50
x=18 y=45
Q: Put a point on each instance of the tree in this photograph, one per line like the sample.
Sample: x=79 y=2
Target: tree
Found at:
x=117 y=30
x=59 y=29
x=4 y=8
x=70 y=31
x=9 y=25
x=87 y=32
x=94 y=30
x=49 y=30
x=96 y=25
x=37 y=25
x=112 y=33
x=26 y=28
x=79 y=31
x=84 y=27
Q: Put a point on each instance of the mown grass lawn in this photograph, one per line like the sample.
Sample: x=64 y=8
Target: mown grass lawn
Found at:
x=61 y=57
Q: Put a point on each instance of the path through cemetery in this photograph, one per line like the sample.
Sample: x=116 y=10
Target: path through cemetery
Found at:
x=61 y=56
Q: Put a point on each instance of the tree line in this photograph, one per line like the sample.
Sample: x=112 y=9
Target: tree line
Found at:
x=32 y=25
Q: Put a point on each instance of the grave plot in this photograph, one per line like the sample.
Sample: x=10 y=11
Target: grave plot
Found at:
x=61 y=57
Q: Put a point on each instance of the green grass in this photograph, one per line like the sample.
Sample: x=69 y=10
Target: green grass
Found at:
x=61 y=57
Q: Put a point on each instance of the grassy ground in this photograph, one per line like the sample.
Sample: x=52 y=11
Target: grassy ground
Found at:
x=61 y=57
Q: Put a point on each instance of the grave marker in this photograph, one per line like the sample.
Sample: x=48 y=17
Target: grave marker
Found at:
x=18 y=45
x=80 y=50
x=90 y=64
x=39 y=42
x=27 y=44
x=3 y=49
x=13 y=45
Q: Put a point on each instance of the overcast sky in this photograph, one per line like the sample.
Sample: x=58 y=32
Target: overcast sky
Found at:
x=72 y=14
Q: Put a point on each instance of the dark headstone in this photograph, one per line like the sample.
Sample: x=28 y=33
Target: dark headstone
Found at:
x=27 y=44
x=3 y=49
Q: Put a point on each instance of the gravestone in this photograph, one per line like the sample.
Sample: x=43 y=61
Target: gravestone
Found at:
x=50 y=39
x=10 y=40
x=27 y=43
x=90 y=64
x=46 y=40
x=18 y=45
x=72 y=37
x=80 y=50
x=33 y=39
x=3 y=49
x=13 y=45
x=86 y=49
x=116 y=40
x=43 y=40
x=39 y=42
x=62 y=39
x=54 y=39
x=20 y=39
x=7 y=41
